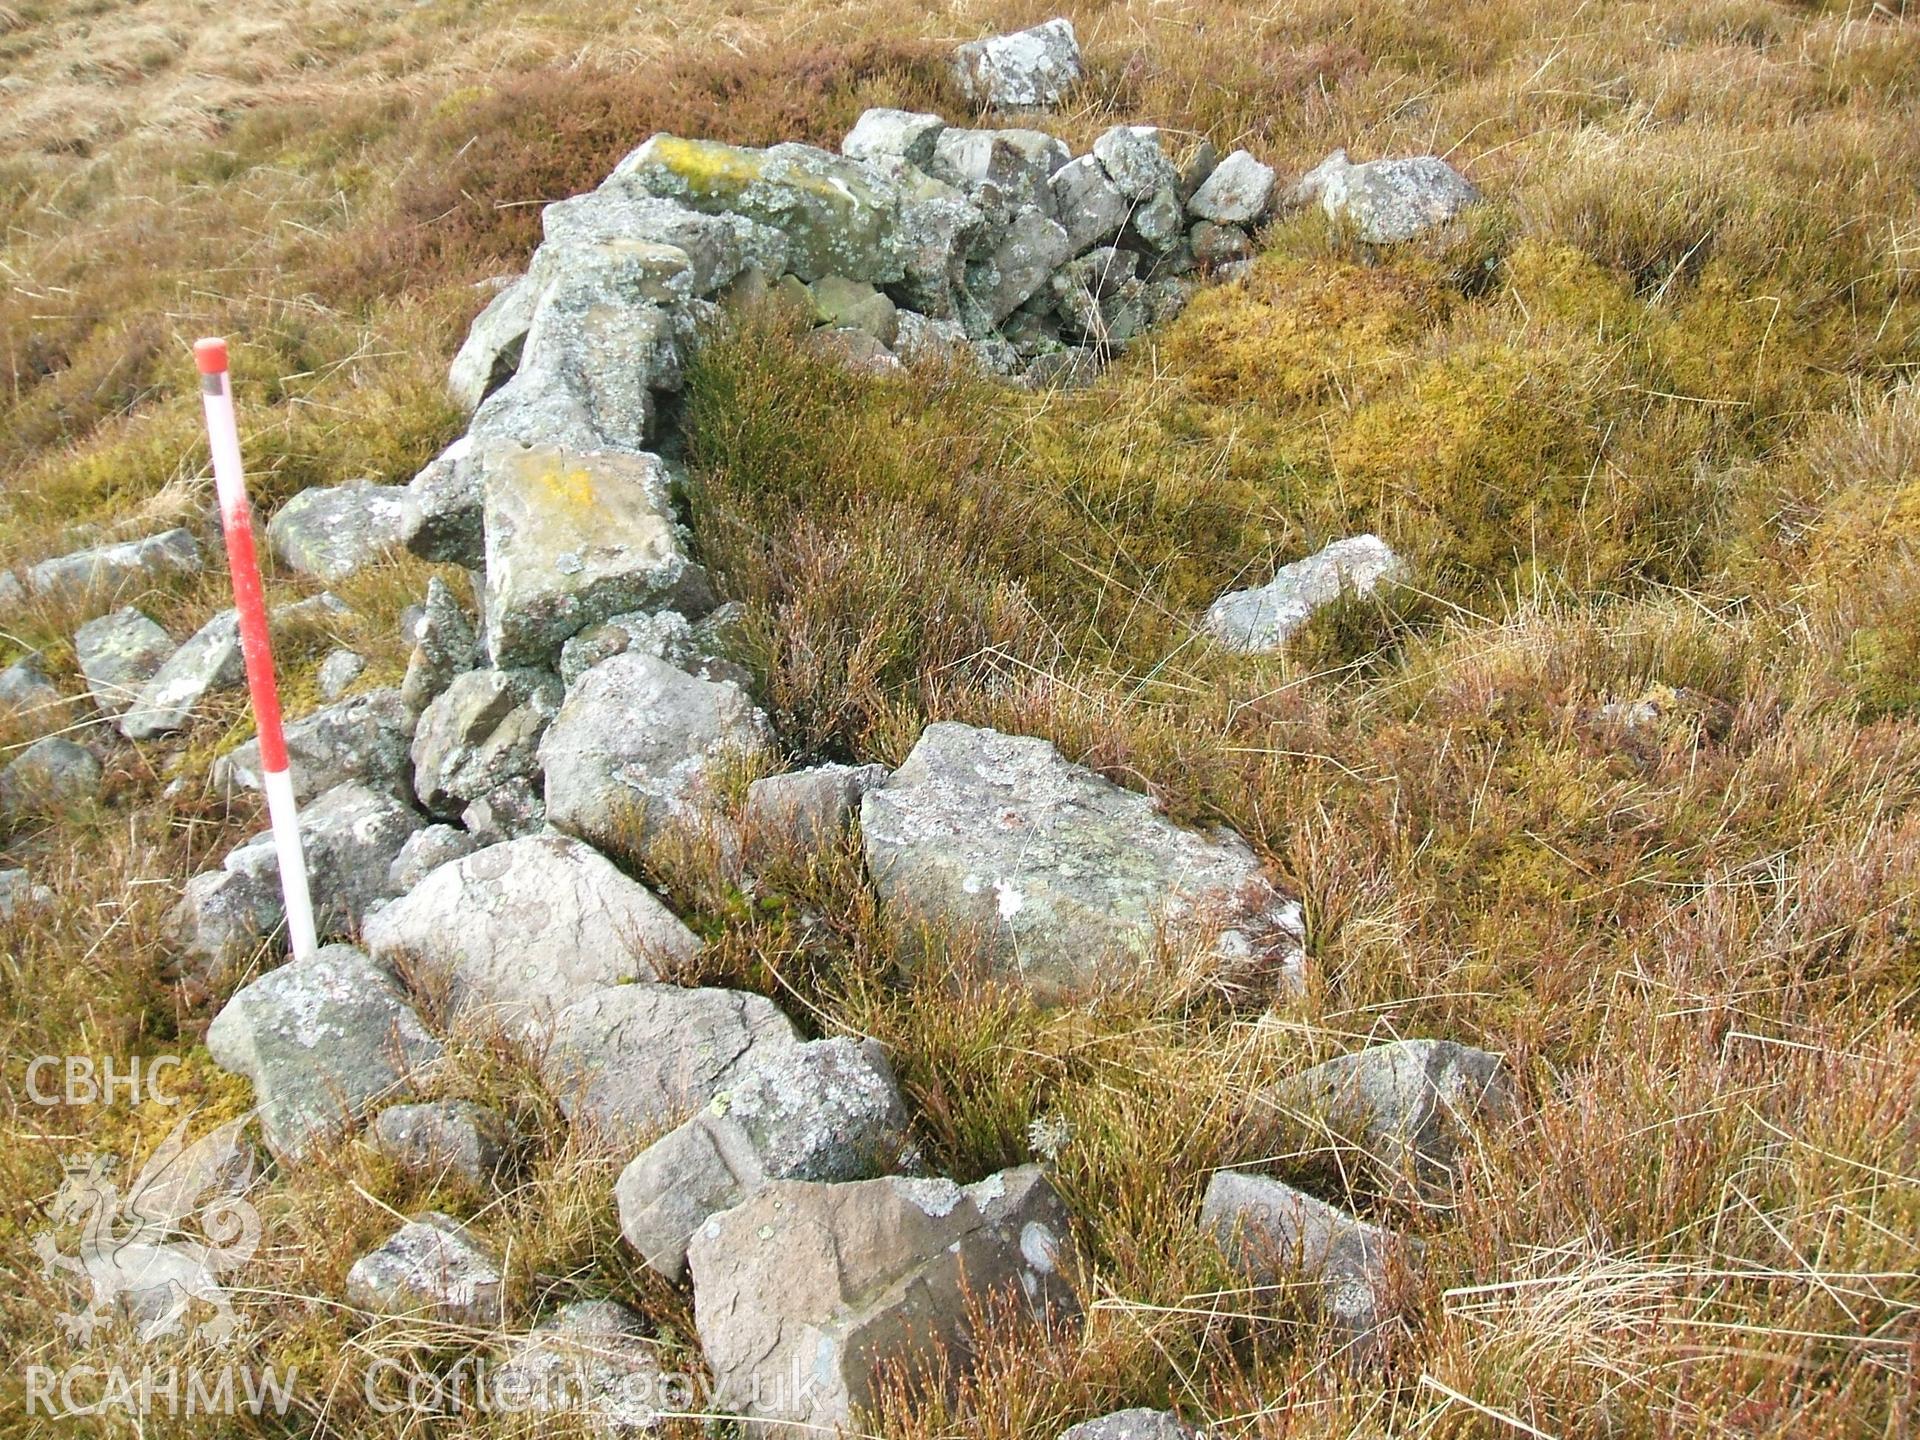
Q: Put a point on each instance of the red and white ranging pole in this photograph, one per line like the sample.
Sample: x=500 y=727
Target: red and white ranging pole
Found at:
x=236 y=519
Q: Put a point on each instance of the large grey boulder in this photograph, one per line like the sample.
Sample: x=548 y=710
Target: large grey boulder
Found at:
x=1030 y=69
x=1407 y=1103
x=900 y=134
x=220 y=920
x=1383 y=202
x=332 y=532
x=323 y=1040
x=48 y=776
x=445 y=1137
x=443 y=647
x=1138 y=1424
x=1272 y=1234
x=210 y=660
x=350 y=837
x=481 y=732
x=591 y=1361
x=572 y=539
x=109 y=570
x=519 y=931
x=1267 y=617
x=628 y=1061
x=805 y=1293
x=364 y=737
x=118 y=653
x=432 y=1269
x=1238 y=192
x=631 y=749
x=1061 y=876
x=490 y=354
x=1016 y=164
x=710 y=249
x=825 y=1110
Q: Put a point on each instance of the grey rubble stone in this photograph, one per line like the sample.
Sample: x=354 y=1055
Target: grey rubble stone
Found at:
x=809 y=808
x=443 y=647
x=825 y=1110
x=1158 y=222
x=837 y=215
x=210 y=660
x=350 y=836
x=1272 y=1234
x=620 y=212
x=48 y=776
x=17 y=889
x=1139 y=1424
x=1197 y=169
x=446 y=498
x=322 y=1040
x=482 y=731
x=1238 y=192
x=220 y=920
x=1018 y=164
x=629 y=1060
x=1267 y=617
x=922 y=340
x=852 y=350
x=110 y=569
x=1089 y=206
x=1162 y=300
x=1057 y=871
x=1031 y=333
x=1029 y=69
x=490 y=354
x=1072 y=368
x=25 y=689
x=834 y=1283
x=1407 y=1103
x=1134 y=162
x=1020 y=264
x=424 y=852
x=313 y=610
x=572 y=539
x=1215 y=245
x=629 y=752
x=855 y=305
x=338 y=672
x=118 y=653
x=521 y=930
x=589 y=1359
x=332 y=532
x=906 y=134
x=511 y=810
x=664 y=634
x=430 y=1268
x=364 y=737
x=445 y=1137
x=1384 y=202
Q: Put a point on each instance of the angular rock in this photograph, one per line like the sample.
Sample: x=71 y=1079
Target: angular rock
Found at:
x=1384 y=202
x=445 y=1137
x=364 y=737
x=424 y=852
x=1238 y=192
x=520 y=931
x=1215 y=245
x=1267 y=617
x=664 y=634
x=350 y=836
x=924 y=341
x=431 y=1268
x=48 y=776
x=26 y=691
x=1158 y=222
x=1140 y=1424
x=1031 y=69
x=805 y=1292
x=1019 y=265
x=338 y=672
x=446 y=498
x=118 y=653
x=630 y=750
x=511 y=810
x=590 y=1359
x=825 y=1110
x=712 y=247
x=1134 y=162
x=1272 y=1234
x=1197 y=169
x=490 y=354
x=210 y=660
x=221 y=919
x=855 y=305
x=332 y=532
x=108 y=570
x=483 y=731
x=1090 y=205
x=443 y=647
x=1016 y=164
x=630 y=1060
x=17 y=890
x=809 y=808
x=1406 y=1103
x=322 y=1040
x=905 y=134
x=571 y=540
x=1058 y=873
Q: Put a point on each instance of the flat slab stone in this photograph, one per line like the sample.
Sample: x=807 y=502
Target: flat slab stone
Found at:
x=334 y=531
x=322 y=1040
x=519 y=931
x=1266 y=618
x=210 y=660
x=118 y=653
x=108 y=570
x=806 y=1291
x=1061 y=876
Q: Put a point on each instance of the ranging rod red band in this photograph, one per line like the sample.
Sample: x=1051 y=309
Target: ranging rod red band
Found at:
x=210 y=355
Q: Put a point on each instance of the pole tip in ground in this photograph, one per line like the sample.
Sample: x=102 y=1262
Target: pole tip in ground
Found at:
x=211 y=355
